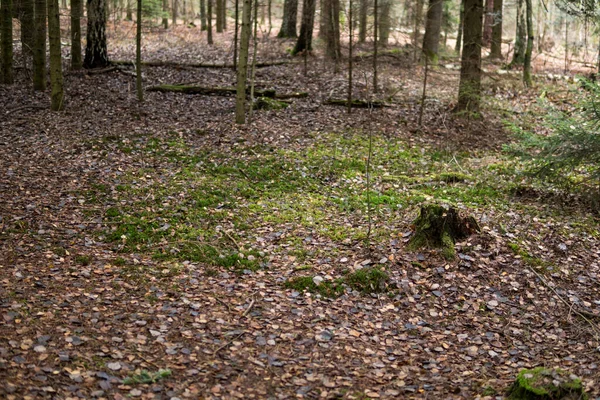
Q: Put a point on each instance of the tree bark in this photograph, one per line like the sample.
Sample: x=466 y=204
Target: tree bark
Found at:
x=385 y=22
x=488 y=22
x=27 y=26
x=202 y=15
x=138 y=53
x=76 y=61
x=528 y=51
x=304 y=42
x=417 y=27
x=57 y=98
x=224 y=14
x=496 y=50
x=469 y=92
x=6 y=43
x=459 y=34
x=165 y=10
x=520 y=38
x=362 y=21
x=39 y=50
x=332 y=29
x=433 y=25
x=96 y=52
x=242 y=72
x=209 y=30
x=219 y=12
x=290 y=19
x=129 y=11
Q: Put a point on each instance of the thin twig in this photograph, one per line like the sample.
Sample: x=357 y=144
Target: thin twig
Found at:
x=247 y=310
x=229 y=343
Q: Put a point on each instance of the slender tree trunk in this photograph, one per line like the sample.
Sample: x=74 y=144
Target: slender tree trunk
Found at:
x=417 y=28
x=527 y=62
x=270 y=14
x=488 y=22
x=433 y=25
x=385 y=22
x=362 y=21
x=209 y=30
x=496 y=50
x=290 y=19
x=242 y=72
x=375 y=42
x=129 y=11
x=332 y=29
x=63 y=4
x=39 y=50
x=57 y=98
x=219 y=12
x=304 y=42
x=224 y=15
x=520 y=38
x=27 y=27
x=203 y=15
x=165 y=17
x=322 y=15
x=254 y=53
x=184 y=12
x=138 y=53
x=350 y=55
x=76 y=61
x=459 y=35
x=236 y=34
x=6 y=42
x=175 y=11
x=96 y=52
x=469 y=92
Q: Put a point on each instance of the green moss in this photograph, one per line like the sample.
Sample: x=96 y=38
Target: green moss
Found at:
x=266 y=103
x=306 y=283
x=83 y=259
x=145 y=377
x=546 y=384
x=368 y=280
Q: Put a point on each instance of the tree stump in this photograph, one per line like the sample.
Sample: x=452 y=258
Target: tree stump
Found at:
x=439 y=226
x=546 y=384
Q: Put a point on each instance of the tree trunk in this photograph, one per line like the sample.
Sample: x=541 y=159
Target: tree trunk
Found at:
x=175 y=11
x=96 y=52
x=350 y=64
x=362 y=21
x=290 y=19
x=165 y=10
x=469 y=91
x=520 y=38
x=184 y=12
x=496 y=50
x=528 y=51
x=219 y=12
x=433 y=25
x=138 y=53
x=375 y=42
x=209 y=20
x=304 y=42
x=39 y=50
x=6 y=42
x=27 y=26
x=76 y=35
x=57 y=100
x=488 y=22
x=242 y=72
x=332 y=29
x=202 y=15
x=129 y=11
x=385 y=22
x=224 y=15
x=459 y=35
x=236 y=28
x=417 y=27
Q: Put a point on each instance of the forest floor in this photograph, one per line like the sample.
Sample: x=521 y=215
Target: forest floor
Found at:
x=154 y=250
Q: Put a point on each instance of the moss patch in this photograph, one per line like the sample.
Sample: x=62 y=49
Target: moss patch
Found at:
x=365 y=281
x=546 y=384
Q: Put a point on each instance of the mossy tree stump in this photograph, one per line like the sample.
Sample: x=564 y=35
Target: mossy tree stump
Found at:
x=546 y=384
x=439 y=226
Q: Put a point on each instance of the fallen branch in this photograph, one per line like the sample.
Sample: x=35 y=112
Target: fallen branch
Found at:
x=356 y=103
x=207 y=91
x=200 y=65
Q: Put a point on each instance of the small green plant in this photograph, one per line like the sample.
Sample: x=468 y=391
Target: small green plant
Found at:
x=84 y=260
x=368 y=280
x=147 y=377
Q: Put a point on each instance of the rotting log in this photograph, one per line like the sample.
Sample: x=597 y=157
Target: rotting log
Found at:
x=208 y=91
x=199 y=65
x=542 y=383
x=356 y=103
x=439 y=226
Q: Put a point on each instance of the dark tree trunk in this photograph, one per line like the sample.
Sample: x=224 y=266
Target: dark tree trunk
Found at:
x=459 y=35
x=6 y=43
x=290 y=19
x=76 y=61
x=224 y=14
x=27 y=26
x=218 y=13
x=528 y=51
x=385 y=21
x=175 y=11
x=304 y=42
x=496 y=50
x=209 y=30
x=203 y=15
x=362 y=21
x=96 y=52
x=488 y=22
x=129 y=11
x=165 y=10
x=57 y=97
x=138 y=52
x=242 y=72
x=469 y=92
x=39 y=50
x=433 y=25
x=521 y=36
x=417 y=28
x=331 y=11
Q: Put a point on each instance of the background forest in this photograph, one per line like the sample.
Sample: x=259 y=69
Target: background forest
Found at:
x=299 y=199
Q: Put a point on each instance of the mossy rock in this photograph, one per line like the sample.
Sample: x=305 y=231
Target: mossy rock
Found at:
x=440 y=226
x=266 y=103
x=546 y=384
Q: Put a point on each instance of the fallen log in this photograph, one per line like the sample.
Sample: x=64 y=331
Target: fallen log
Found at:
x=199 y=65
x=356 y=103
x=208 y=91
